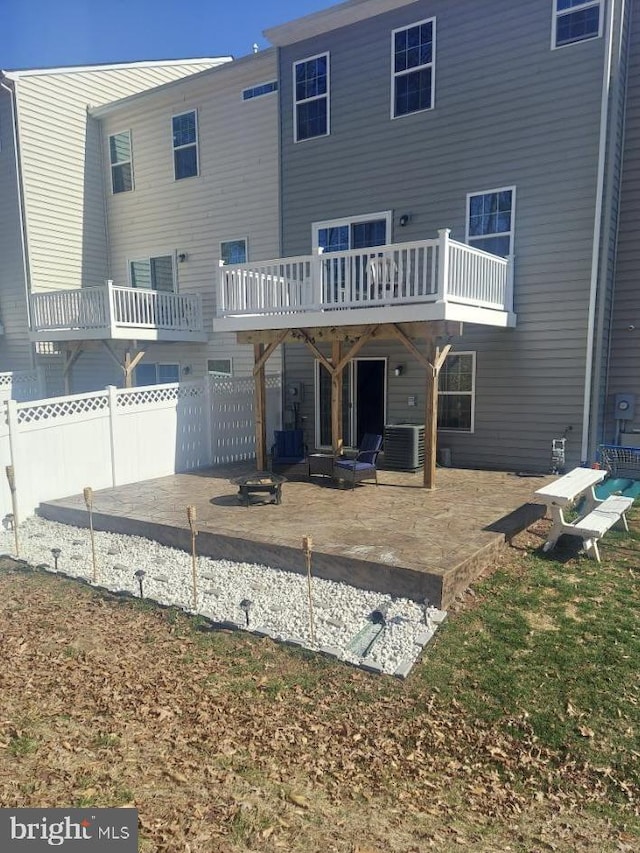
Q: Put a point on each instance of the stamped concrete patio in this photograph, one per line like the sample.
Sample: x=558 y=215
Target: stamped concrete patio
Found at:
x=396 y=538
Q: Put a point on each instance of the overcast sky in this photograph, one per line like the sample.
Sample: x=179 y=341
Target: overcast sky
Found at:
x=42 y=33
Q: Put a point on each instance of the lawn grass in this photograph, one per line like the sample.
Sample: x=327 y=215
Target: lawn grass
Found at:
x=517 y=731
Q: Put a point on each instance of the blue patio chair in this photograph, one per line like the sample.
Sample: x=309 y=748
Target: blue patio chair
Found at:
x=289 y=454
x=363 y=465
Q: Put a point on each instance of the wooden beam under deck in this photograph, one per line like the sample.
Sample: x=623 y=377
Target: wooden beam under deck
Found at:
x=432 y=360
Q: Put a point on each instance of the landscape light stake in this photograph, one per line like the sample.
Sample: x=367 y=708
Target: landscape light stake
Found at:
x=56 y=556
x=11 y=479
x=140 y=574
x=88 y=499
x=191 y=517
x=245 y=605
x=307 y=545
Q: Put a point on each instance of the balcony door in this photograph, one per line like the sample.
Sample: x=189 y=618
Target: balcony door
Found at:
x=364 y=401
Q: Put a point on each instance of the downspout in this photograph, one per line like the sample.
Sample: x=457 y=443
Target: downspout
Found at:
x=597 y=233
x=6 y=84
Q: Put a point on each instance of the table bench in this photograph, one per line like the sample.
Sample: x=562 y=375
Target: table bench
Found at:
x=596 y=516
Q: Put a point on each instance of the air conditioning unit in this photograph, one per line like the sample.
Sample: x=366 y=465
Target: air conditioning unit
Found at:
x=404 y=446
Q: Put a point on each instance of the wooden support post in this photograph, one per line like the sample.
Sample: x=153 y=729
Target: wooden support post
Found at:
x=336 y=398
x=260 y=407
x=430 y=418
x=71 y=355
x=130 y=364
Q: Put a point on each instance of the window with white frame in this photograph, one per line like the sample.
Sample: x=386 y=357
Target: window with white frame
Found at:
x=259 y=90
x=152 y=273
x=352 y=232
x=456 y=392
x=412 y=68
x=233 y=251
x=152 y=373
x=490 y=220
x=121 y=163
x=576 y=20
x=220 y=366
x=311 y=97
x=185 y=145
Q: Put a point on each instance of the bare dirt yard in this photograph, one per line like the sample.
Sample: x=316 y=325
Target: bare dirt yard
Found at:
x=518 y=731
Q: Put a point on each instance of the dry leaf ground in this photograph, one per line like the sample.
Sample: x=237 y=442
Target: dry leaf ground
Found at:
x=518 y=732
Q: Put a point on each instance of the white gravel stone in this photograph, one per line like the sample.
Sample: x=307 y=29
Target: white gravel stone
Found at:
x=279 y=598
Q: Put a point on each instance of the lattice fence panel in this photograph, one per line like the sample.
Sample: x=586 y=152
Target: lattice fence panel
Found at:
x=68 y=407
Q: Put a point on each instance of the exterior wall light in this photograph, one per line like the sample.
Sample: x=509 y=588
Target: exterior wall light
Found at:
x=398 y=370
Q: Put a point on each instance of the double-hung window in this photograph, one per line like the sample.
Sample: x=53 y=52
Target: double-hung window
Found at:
x=233 y=251
x=120 y=159
x=413 y=68
x=576 y=20
x=456 y=392
x=152 y=273
x=185 y=145
x=311 y=97
x=490 y=220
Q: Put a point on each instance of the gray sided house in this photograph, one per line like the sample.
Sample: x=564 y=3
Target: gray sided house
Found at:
x=499 y=121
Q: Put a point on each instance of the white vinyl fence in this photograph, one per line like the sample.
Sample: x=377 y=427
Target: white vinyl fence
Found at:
x=109 y=438
x=22 y=385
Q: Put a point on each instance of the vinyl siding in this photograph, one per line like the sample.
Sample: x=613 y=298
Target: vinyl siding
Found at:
x=63 y=188
x=234 y=196
x=508 y=112
x=624 y=375
x=15 y=350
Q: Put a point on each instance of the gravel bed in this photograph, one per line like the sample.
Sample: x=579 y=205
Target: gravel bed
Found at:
x=279 y=599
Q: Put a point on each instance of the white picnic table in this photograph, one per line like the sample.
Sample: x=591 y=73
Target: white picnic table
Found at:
x=596 y=516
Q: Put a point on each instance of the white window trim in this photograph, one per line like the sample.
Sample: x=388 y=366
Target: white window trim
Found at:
x=245 y=240
x=217 y=373
x=471 y=394
x=262 y=94
x=510 y=234
x=562 y=12
x=159 y=254
x=431 y=65
x=387 y=215
x=175 y=148
x=327 y=96
x=130 y=160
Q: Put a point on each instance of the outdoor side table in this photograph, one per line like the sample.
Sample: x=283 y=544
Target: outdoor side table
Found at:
x=321 y=464
x=260 y=482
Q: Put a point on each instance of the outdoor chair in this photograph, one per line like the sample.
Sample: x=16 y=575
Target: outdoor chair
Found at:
x=289 y=454
x=382 y=273
x=363 y=465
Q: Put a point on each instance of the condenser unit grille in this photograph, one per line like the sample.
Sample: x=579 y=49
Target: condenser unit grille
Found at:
x=404 y=446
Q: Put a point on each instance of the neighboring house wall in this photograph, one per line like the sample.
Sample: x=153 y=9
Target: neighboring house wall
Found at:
x=624 y=370
x=15 y=349
x=62 y=183
x=234 y=196
x=509 y=111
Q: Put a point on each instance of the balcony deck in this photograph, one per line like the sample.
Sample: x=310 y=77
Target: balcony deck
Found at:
x=424 y=280
x=116 y=313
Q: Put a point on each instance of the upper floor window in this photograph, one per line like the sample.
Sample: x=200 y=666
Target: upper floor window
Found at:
x=311 y=97
x=456 y=392
x=120 y=158
x=233 y=251
x=185 y=145
x=490 y=220
x=576 y=20
x=152 y=273
x=258 y=91
x=220 y=366
x=412 y=63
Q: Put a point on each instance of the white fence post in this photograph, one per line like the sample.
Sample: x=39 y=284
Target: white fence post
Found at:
x=113 y=414
x=14 y=438
x=443 y=263
x=208 y=414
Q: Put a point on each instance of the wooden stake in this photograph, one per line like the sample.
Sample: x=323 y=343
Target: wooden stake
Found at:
x=191 y=517
x=307 y=545
x=88 y=499
x=11 y=479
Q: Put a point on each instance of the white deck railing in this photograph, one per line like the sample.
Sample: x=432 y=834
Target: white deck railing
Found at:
x=110 y=308
x=399 y=273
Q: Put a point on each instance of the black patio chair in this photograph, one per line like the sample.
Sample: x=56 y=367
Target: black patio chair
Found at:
x=363 y=465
